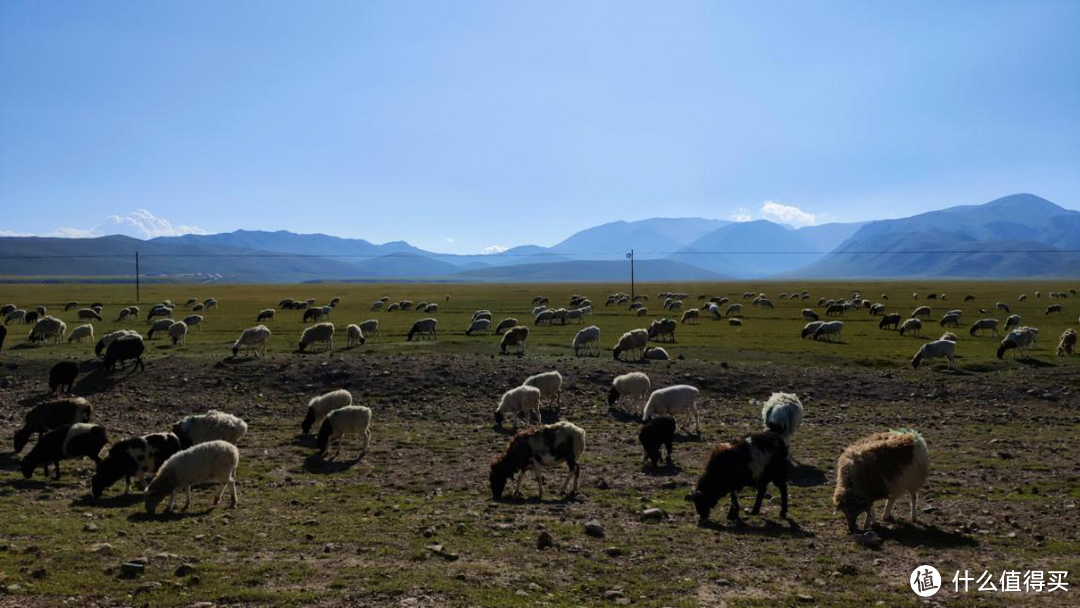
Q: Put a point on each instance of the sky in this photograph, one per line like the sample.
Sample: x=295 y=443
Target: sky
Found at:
x=471 y=126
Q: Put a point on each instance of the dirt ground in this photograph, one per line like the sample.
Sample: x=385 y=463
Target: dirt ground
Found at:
x=1002 y=494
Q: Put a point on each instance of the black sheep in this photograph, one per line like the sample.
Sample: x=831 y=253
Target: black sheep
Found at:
x=731 y=467
x=62 y=375
x=3 y=334
x=52 y=415
x=64 y=443
x=137 y=457
x=124 y=349
x=657 y=432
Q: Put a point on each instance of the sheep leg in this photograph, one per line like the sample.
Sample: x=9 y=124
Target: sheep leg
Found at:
x=367 y=440
x=914 y=507
x=517 y=486
x=172 y=501
x=783 y=500
x=56 y=465
x=539 y=481
x=220 y=493
x=887 y=516
x=127 y=485
x=668 y=447
x=760 y=497
x=187 y=500
x=733 y=511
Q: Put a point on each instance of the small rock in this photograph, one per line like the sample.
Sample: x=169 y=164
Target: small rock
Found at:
x=429 y=532
x=91 y=527
x=614 y=552
x=594 y=529
x=848 y=570
x=806 y=599
x=103 y=549
x=132 y=569
x=613 y=594
x=544 y=540
x=602 y=484
x=653 y=514
x=147 y=587
x=442 y=552
x=39 y=573
x=868 y=539
x=184 y=569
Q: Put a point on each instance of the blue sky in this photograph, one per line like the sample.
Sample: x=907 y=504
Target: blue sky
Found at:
x=464 y=125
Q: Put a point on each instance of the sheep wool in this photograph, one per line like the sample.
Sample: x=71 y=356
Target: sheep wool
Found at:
x=211 y=426
x=884 y=465
x=210 y=462
x=320 y=407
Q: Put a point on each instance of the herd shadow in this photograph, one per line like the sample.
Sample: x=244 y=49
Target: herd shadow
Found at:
x=769 y=528
x=317 y=464
x=912 y=535
x=806 y=476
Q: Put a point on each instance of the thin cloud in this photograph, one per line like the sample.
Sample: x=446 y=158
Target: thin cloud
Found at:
x=490 y=249
x=787 y=214
x=140 y=224
x=742 y=214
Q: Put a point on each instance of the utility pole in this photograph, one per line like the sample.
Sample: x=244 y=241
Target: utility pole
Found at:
x=630 y=256
x=137 y=297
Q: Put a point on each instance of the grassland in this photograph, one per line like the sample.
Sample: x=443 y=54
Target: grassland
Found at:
x=1002 y=494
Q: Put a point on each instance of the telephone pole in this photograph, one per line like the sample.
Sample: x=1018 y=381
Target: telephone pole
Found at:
x=630 y=256
x=137 y=297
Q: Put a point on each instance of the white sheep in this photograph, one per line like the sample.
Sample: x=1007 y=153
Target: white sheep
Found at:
x=518 y=401
x=320 y=332
x=253 y=339
x=48 y=328
x=351 y=420
x=674 y=401
x=883 y=465
x=655 y=353
x=370 y=327
x=936 y=349
x=193 y=321
x=587 y=339
x=377 y=306
x=320 y=407
x=828 y=329
x=1021 y=339
x=912 y=326
x=515 y=336
x=633 y=340
x=354 y=336
x=549 y=383
x=634 y=386
x=505 y=324
x=210 y=462
x=178 y=333
x=424 y=327
x=80 y=333
x=265 y=314
x=782 y=413
x=479 y=326
x=213 y=425
x=161 y=325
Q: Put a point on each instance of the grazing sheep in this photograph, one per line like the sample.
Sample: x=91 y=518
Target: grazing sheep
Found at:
x=504 y=325
x=479 y=326
x=656 y=433
x=883 y=465
x=161 y=325
x=320 y=407
x=138 y=457
x=811 y=328
x=211 y=426
x=642 y=312
x=1067 y=343
x=31 y=317
x=544 y=316
x=539 y=447
x=936 y=349
x=922 y=311
x=835 y=310
x=65 y=443
x=733 y=309
x=370 y=327
x=634 y=386
x=86 y=314
x=210 y=462
x=951 y=337
x=49 y=328
x=62 y=376
x=51 y=415
x=661 y=328
x=809 y=315
x=71 y=305
x=312 y=314
x=515 y=336
x=125 y=348
x=178 y=333
x=912 y=326
x=1021 y=339
x=829 y=329
x=431 y=308
x=675 y=401
x=633 y=340
x=125 y=315
x=1053 y=308
x=891 y=320
x=481 y=314
x=1011 y=322
x=655 y=353
x=757 y=460
x=782 y=413
x=15 y=316
x=320 y=332
x=3 y=335
x=334 y=302
x=550 y=385
x=1002 y=306
x=735 y=322
x=377 y=306
x=354 y=336
x=969 y=298
x=518 y=401
x=265 y=314
x=424 y=327
x=193 y=321
x=950 y=320
x=81 y=333
x=351 y=420
x=587 y=339
x=983 y=325
x=1022 y=298
x=690 y=316
x=252 y=339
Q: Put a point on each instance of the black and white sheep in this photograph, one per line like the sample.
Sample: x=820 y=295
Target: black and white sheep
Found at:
x=921 y=311
x=1053 y=308
x=211 y=426
x=943 y=348
x=319 y=333
x=755 y=461
x=253 y=339
x=519 y=401
x=424 y=328
x=370 y=327
x=210 y=462
x=883 y=465
x=656 y=433
x=138 y=457
x=675 y=401
x=161 y=325
x=320 y=407
x=351 y=420
x=663 y=330
x=123 y=349
x=782 y=413
x=515 y=336
x=65 y=443
x=810 y=329
x=51 y=415
x=539 y=447
x=655 y=353
x=1067 y=343
x=87 y=314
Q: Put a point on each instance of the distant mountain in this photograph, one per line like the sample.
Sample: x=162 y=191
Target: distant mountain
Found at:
x=284 y=241
x=963 y=241
x=595 y=271
x=655 y=238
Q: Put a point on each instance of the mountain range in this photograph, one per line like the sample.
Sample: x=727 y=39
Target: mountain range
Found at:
x=1017 y=236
